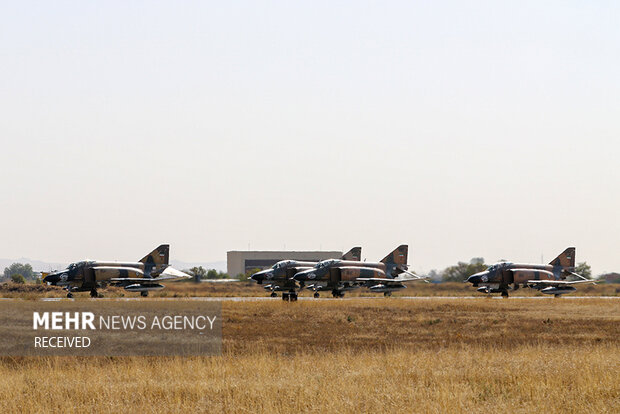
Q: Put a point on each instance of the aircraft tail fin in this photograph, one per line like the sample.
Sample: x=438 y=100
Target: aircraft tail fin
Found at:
x=398 y=256
x=157 y=259
x=565 y=259
x=355 y=254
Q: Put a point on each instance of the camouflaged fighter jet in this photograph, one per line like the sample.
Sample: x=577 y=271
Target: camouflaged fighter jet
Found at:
x=142 y=276
x=280 y=275
x=339 y=276
x=548 y=279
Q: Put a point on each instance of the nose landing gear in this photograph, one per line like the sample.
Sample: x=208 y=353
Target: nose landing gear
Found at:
x=289 y=296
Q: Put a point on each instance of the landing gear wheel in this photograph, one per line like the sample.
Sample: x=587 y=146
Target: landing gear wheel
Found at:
x=387 y=294
x=316 y=295
x=70 y=295
x=557 y=296
x=144 y=294
x=93 y=293
x=289 y=296
x=273 y=294
x=504 y=294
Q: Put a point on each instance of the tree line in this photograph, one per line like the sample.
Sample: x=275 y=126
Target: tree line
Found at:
x=200 y=273
x=20 y=273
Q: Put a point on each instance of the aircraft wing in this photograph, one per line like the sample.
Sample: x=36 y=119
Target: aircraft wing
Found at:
x=579 y=276
x=169 y=273
x=558 y=282
x=387 y=279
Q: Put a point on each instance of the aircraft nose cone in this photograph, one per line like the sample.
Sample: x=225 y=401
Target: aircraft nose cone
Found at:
x=481 y=277
x=262 y=276
x=258 y=277
x=53 y=278
x=301 y=276
x=305 y=276
x=475 y=279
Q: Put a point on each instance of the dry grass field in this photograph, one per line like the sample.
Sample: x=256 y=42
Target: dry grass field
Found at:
x=435 y=355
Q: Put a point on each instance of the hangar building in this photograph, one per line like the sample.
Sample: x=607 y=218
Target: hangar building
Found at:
x=242 y=261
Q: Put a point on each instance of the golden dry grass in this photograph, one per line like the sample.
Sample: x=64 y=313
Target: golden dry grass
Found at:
x=378 y=324
x=435 y=355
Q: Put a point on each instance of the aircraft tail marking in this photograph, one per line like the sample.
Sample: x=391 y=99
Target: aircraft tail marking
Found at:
x=398 y=256
x=565 y=259
x=157 y=259
x=355 y=254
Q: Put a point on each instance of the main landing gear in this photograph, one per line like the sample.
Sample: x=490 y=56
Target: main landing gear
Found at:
x=337 y=294
x=504 y=294
x=144 y=294
x=387 y=294
x=289 y=296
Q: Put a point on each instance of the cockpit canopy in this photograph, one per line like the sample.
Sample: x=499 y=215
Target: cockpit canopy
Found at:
x=326 y=263
x=75 y=265
x=500 y=265
x=281 y=264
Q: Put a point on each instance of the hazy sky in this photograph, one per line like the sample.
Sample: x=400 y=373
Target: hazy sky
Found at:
x=464 y=129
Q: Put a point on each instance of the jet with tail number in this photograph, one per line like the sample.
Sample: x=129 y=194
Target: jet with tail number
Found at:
x=339 y=276
x=142 y=276
x=279 y=277
x=549 y=279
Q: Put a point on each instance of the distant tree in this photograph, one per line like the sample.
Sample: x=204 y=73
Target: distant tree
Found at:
x=246 y=276
x=584 y=270
x=198 y=273
x=17 y=278
x=215 y=274
x=434 y=275
x=25 y=270
x=462 y=270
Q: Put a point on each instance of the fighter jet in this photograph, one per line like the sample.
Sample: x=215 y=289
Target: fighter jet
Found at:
x=142 y=276
x=339 y=276
x=548 y=279
x=280 y=275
